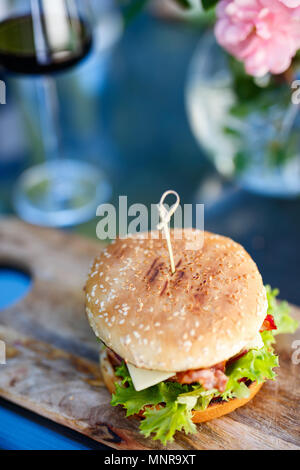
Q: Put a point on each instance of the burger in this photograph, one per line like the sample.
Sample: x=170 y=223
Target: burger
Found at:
x=185 y=347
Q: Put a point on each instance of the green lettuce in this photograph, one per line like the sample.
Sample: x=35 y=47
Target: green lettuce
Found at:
x=167 y=407
x=280 y=311
x=162 y=423
x=164 y=420
x=257 y=365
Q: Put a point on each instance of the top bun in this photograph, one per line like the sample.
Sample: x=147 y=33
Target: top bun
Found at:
x=204 y=313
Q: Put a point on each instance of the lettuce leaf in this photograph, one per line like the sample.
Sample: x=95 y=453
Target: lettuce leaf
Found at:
x=161 y=420
x=198 y=397
x=134 y=401
x=280 y=311
x=257 y=365
x=167 y=407
x=164 y=422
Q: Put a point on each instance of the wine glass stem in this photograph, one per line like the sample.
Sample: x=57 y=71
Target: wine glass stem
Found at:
x=49 y=117
x=50 y=129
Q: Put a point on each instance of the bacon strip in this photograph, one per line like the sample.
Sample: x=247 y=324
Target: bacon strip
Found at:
x=214 y=377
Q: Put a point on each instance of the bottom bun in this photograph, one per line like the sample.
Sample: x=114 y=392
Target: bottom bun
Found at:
x=215 y=410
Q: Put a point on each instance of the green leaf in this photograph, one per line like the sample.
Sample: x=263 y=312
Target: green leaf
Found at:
x=183 y=3
x=257 y=365
x=241 y=161
x=199 y=395
x=122 y=372
x=135 y=401
x=235 y=389
x=268 y=338
x=208 y=4
x=189 y=401
x=163 y=423
x=281 y=313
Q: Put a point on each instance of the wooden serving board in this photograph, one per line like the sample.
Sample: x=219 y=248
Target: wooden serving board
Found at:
x=52 y=357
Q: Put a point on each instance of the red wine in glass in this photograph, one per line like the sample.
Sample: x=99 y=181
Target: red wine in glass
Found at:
x=20 y=51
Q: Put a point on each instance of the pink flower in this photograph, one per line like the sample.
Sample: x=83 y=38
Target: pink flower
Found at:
x=264 y=34
x=291 y=3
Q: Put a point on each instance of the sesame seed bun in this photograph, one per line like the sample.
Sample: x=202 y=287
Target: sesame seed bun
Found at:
x=214 y=410
x=204 y=313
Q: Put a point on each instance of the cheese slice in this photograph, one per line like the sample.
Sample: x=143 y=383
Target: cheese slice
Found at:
x=143 y=378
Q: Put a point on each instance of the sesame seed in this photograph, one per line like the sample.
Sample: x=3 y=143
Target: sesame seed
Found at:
x=187 y=345
x=127 y=339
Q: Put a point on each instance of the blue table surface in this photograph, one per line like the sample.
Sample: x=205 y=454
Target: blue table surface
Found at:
x=22 y=430
x=19 y=428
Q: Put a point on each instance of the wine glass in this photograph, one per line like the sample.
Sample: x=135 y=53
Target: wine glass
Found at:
x=40 y=38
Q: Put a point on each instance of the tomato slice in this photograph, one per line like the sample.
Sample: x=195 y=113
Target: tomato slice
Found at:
x=268 y=324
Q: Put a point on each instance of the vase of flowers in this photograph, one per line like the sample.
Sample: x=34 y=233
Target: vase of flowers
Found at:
x=243 y=97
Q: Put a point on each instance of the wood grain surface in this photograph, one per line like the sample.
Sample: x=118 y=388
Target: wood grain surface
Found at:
x=52 y=357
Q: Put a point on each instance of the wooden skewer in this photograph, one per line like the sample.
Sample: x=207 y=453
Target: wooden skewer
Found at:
x=165 y=216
